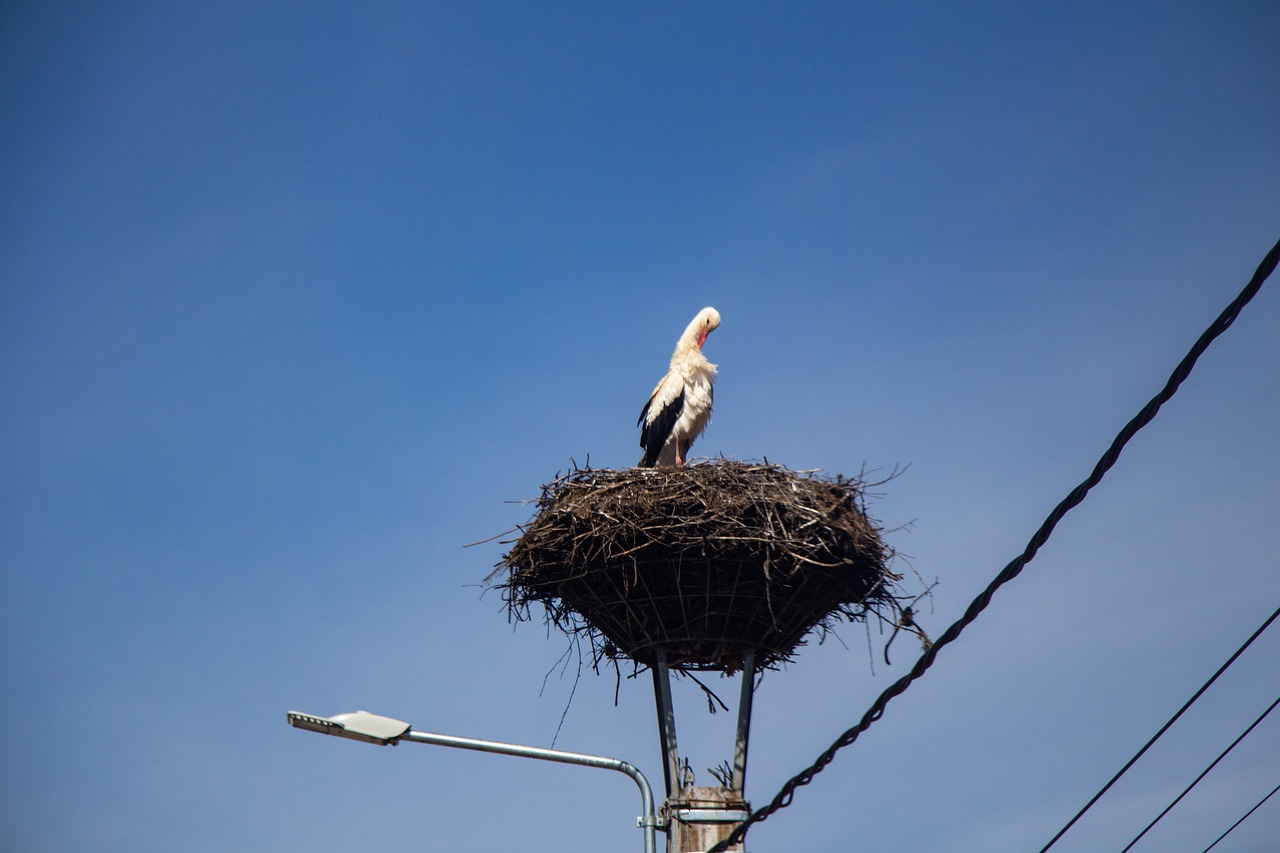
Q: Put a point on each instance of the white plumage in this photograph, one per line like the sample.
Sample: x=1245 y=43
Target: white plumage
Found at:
x=680 y=406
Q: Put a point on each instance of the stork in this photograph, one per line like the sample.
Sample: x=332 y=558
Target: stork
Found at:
x=680 y=406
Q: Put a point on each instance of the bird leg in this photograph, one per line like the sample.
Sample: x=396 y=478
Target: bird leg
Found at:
x=679 y=456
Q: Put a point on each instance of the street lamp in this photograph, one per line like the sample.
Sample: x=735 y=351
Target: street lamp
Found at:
x=385 y=731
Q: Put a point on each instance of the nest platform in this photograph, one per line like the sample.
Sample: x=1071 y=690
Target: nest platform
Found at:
x=704 y=562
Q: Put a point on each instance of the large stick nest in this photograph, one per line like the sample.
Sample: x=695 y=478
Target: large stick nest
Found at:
x=705 y=562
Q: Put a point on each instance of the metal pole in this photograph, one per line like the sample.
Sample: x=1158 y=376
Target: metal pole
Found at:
x=666 y=723
x=744 y=722
x=648 y=821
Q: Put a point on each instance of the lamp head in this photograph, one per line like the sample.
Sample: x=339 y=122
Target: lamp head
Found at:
x=360 y=725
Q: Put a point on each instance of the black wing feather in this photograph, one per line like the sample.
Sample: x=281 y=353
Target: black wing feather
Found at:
x=654 y=434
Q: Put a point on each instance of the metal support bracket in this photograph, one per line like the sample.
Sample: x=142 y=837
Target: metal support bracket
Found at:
x=666 y=723
x=711 y=815
x=739 y=781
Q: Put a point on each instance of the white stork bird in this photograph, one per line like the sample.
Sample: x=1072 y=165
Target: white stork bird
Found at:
x=680 y=407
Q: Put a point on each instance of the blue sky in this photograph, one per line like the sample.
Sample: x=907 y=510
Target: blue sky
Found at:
x=299 y=300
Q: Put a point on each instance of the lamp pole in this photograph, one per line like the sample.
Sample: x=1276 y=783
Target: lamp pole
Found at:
x=385 y=731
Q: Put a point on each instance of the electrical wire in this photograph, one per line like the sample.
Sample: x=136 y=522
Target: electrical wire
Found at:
x=1241 y=820
x=1014 y=568
x=1203 y=774
x=1163 y=729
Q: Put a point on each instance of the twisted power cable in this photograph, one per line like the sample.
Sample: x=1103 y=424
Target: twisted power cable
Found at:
x=1015 y=567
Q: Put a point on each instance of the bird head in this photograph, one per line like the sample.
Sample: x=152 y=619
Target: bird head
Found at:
x=705 y=323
